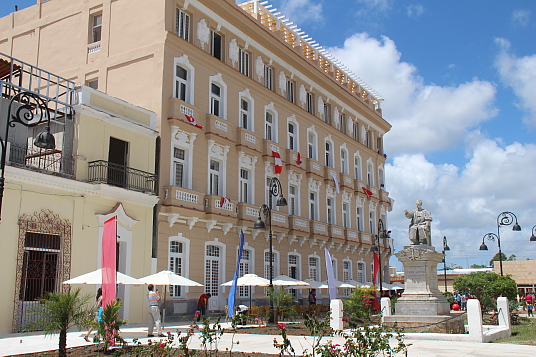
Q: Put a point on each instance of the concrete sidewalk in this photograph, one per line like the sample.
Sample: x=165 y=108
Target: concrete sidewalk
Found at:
x=20 y=343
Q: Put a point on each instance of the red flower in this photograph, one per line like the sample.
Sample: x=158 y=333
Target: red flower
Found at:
x=162 y=345
x=282 y=326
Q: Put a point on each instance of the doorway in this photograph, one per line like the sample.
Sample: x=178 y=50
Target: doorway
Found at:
x=117 y=162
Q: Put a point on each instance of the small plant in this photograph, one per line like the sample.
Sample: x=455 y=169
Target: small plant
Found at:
x=108 y=328
x=358 y=308
x=318 y=328
x=282 y=301
x=285 y=346
x=210 y=336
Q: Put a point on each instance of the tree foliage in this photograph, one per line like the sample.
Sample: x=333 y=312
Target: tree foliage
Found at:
x=486 y=286
x=359 y=305
x=58 y=312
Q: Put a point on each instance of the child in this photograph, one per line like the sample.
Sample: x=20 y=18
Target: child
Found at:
x=529 y=310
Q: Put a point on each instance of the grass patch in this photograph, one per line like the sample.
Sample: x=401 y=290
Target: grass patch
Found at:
x=522 y=334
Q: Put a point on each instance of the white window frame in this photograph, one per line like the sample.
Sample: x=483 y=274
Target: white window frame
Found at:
x=96 y=27
x=293 y=200
x=268 y=77
x=273 y=126
x=215 y=188
x=355 y=131
x=212 y=43
x=381 y=176
x=185 y=166
x=344 y=160
x=362 y=272
x=370 y=173
x=345 y=215
x=358 y=167
x=243 y=62
x=185 y=143
x=316 y=268
x=293 y=137
x=291 y=90
x=184 y=62
x=275 y=263
x=359 y=218
x=372 y=222
x=245 y=192
x=297 y=265
x=222 y=98
x=185 y=269
x=330 y=210
x=182 y=24
x=313 y=206
x=309 y=103
x=246 y=96
x=335 y=266
x=312 y=144
x=245 y=267
x=329 y=157
x=216 y=289
x=327 y=113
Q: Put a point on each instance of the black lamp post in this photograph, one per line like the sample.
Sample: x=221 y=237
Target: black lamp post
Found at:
x=32 y=111
x=274 y=191
x=533 y=236
x=504 y=219
x=445 y=248
x=376 y=249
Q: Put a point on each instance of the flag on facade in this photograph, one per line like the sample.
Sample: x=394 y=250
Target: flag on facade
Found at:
x=391 y=203
x=224 y=201
x=331 y=276
x=232 y=292
x=108 y=263
x=336 y=183
x=367 y=192
x=298 y=159
x=376 y=267
x=278 y=163
x=192 y=121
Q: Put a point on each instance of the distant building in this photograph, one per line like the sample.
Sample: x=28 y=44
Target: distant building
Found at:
x=522 y=271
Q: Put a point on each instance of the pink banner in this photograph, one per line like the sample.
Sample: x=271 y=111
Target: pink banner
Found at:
x=109 y=254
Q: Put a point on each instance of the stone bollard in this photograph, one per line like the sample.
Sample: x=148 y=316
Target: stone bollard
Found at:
x=385 y=307
x=504 y=312
x=474 y=320
x=335 y=321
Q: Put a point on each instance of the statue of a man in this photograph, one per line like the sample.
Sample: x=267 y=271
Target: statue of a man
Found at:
x=419 y=227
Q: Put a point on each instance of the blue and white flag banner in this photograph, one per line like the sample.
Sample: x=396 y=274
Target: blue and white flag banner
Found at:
x=331 y=276
x=232 y=292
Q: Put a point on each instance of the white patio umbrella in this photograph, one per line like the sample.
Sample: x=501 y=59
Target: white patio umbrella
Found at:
x=354 y=283
x=284 y=280
x=166 y=277
x=95 y=278
x=313 y=284
x=249 y=280
x=338 y=284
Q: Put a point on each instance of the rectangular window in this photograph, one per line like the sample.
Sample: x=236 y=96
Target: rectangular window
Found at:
x=214 y=178
x=290 y=90
x=93 y=84
x=244 y=111
x=176 y=258
x=357 y=168
x=342 y=123
x=181 y=81
x=292 y=200
x=215 y=100
x=330 y=210
x=360 y=272
x=311 y=146
x=313 y=269
x=309 y=103
x=359 y=224
x=268 y=77
x=345 y=215
x=291 y=137
x=182 y=27
x=243 y=291
x=180 y=163
x=269 y=126
x=328 y=154
x=96 y=28
x=244 y=186
x=344 y=164
x=355 y=131
x=215 y=45
x=312 y=206
x=243 y=62
x=327 y=113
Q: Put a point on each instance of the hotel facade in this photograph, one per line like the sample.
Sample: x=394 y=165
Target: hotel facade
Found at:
x=234 y=88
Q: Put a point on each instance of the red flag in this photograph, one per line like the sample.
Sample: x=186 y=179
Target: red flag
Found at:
x=367 y=192
x=224 y=201
x=108 y=264
x=298 y=159
x=376 y=264
x=191 y=119
x=278 y=163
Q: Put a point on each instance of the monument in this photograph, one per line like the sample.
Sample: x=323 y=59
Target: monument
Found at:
x=422 y=306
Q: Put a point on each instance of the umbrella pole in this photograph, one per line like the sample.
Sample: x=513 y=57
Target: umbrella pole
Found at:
x=164 y=314
x=250 y=292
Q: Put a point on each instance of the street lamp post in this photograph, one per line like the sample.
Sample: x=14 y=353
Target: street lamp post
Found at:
x=445 y=248
x=274 y=191
x=504 y=219
x=32 y=111
x=376 y=249
x=533 y=236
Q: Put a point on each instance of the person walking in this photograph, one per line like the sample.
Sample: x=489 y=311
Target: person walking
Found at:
x=97 y=307
x=202 y=305
x=154 y=312
x=530 y=307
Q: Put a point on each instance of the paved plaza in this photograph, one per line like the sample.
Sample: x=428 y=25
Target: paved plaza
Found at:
x=19 y=343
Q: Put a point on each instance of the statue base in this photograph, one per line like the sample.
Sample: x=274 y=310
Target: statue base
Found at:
x=421 y=294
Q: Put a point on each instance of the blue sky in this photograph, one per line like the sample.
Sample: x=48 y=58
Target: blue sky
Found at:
x=459 y=83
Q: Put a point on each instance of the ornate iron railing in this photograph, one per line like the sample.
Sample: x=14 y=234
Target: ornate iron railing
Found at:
x=49 y=161
x=101 y=171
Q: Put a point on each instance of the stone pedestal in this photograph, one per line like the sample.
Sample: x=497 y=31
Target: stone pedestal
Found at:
x=421 y=304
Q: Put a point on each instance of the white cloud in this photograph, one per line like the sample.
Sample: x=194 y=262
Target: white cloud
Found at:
x=425 y=117
x=465 y=202
x=519 y=73
x=415 y=11
x=521 y=17
x=302 y=11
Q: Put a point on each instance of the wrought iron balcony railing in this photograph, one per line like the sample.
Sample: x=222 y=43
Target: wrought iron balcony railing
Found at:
x=101 y=171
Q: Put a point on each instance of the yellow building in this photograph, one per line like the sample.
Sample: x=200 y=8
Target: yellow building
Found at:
x=522 y=271
x=232 y=86
x=56 y=201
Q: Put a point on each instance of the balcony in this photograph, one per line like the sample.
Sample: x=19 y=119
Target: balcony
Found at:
x=183 y=197
x=101 y=171
x=298 y=223
x=248 y=139
x=346 y=180
x=352 y=235
x=48 y=161
x=314 y=167
x=247 y=212
x=336 y=232
x=219 y=126
x=213 y=206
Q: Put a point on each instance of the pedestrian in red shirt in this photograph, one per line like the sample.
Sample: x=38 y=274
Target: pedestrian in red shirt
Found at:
x=202 y=305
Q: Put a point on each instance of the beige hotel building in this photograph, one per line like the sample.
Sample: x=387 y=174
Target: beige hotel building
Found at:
x=230 y=84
